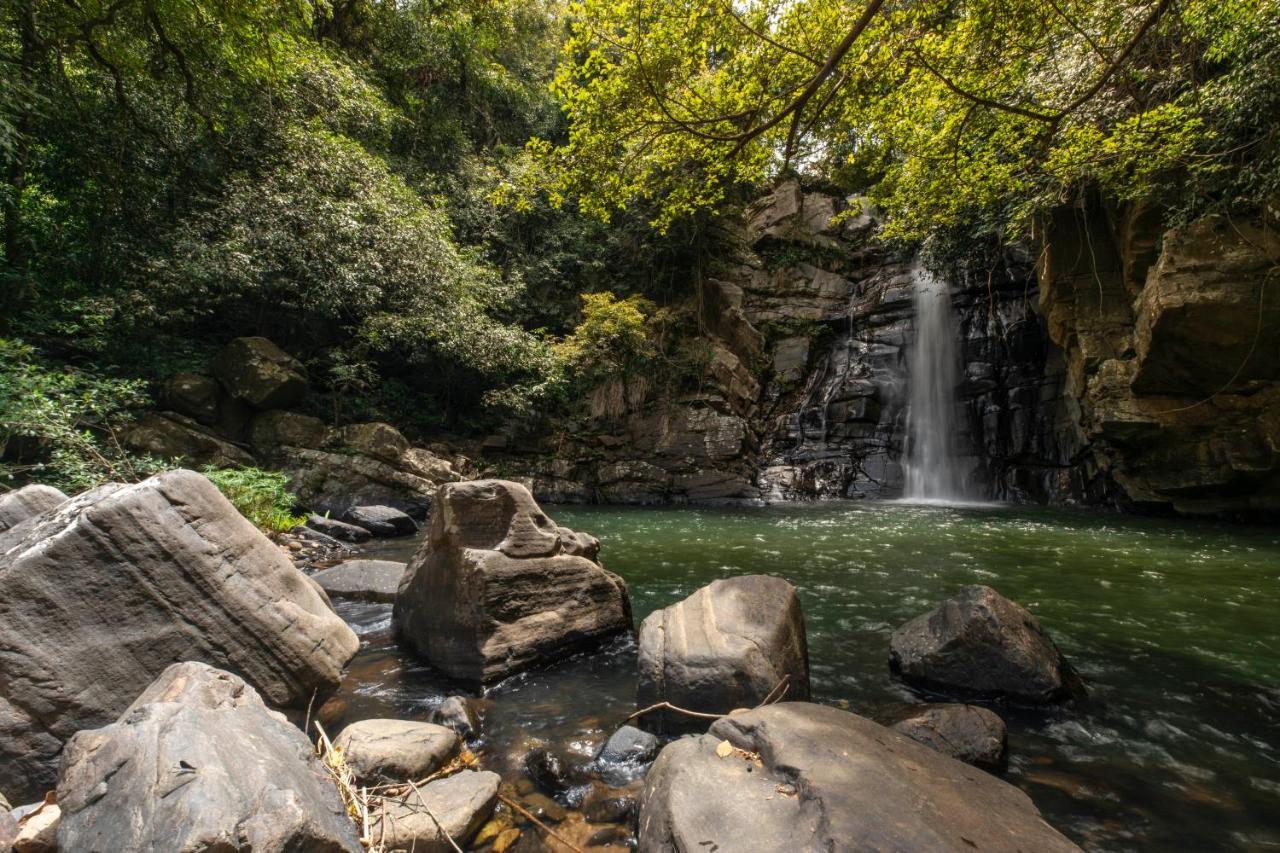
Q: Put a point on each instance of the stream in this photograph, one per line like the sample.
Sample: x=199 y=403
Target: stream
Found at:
x=1175 y=626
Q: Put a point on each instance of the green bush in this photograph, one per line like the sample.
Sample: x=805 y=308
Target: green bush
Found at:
x=261 y=496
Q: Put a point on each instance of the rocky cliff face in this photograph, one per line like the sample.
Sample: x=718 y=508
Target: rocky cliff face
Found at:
x=1122 y=366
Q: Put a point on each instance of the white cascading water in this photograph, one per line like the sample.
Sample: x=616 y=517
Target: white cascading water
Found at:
x=933 y=473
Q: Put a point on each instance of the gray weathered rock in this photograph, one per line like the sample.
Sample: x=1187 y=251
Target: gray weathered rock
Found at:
x=724 y=647
x=395 y=750
x=198 y=762
x=981 y=644
x=194 y=395
x=461 y=803
x=832 y=781
x=146 y=574
x=8 y=825
x=29 y=501
x=169 y=435
x=260 y=373
x=334 y=482
x=493 y=591
x=269 y=431
x=338 y=529
x=381 y=520
x=626 y=755
x=364 y=580
x=967 y=733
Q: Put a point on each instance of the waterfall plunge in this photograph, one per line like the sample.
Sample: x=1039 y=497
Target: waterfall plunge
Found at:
x=933 y=375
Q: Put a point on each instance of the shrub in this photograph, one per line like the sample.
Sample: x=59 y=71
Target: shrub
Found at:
x=263 y=497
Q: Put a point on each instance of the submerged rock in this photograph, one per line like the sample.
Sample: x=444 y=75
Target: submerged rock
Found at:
x=198 y=762
x=967 y=733
x=461 y=803
x=726 y=646
x=395 y=750
x=116 y=584
x=261 y=374
x=364 y=580
x=460 y=713
x=29 y=501
x=981 y=644
x=493 y=591
x=381 y=520
x=797 y=776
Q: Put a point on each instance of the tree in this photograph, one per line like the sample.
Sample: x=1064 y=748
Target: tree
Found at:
x=952 y=110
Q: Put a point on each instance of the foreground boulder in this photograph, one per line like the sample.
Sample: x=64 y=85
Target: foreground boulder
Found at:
x=727 y=646
x=259 y=373
x=965 y=732
x=107 y=590
x=797 y=776
x=395 y=750
x=29 y=501
x=362 y=580
x=498 y=587
x=460 y=803
x=198 y=762
x=980 y=644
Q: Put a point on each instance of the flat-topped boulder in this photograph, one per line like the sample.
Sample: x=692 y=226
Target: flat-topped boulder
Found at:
x=29 y=501
x=799 y=776
x=106 y=591
x=498 y=587
x=967 y=733
x=363 y=580
x=980 y=644
x=381 y=520
x=458 y=804
x=728 y=645
x=198 y=762
x=395 y=750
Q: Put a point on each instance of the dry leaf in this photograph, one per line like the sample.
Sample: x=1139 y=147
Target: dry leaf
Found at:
x=724 y=749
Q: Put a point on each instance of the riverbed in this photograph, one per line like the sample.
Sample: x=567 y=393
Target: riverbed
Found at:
x=1175 y=626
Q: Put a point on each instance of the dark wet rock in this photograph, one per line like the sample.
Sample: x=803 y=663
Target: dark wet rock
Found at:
x=147 y=574
x=332 y=483
x=967 y=733
x=29 y=501
x=980 y=644
x=194 y=395
x=547 y=770
x=364 y=580
x=338 y=529
x=727 y=646
x=381 y=520
x=395 y=750
x=259 y=373
x=608 y=836
x=492 y=591
x=461 y=803
x=198 y=762
x=277 y=428
x=784 y=792
x=462 y=714
x=171 y=436
x=610 y=805
x=630 y=745
x=544 y=808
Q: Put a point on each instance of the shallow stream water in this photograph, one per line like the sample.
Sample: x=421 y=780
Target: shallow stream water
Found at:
x=1174 y=625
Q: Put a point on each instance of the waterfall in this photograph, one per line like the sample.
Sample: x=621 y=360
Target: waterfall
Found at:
x=933 y=375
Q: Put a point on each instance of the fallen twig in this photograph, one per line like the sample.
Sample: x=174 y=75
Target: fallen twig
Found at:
x=427 y=809
x=512 y=804
x=768 y=699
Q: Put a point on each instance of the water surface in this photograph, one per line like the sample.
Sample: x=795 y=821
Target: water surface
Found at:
x=1174 y=625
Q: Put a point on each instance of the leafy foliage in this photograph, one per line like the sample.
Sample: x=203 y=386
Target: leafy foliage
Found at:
x=263 y=497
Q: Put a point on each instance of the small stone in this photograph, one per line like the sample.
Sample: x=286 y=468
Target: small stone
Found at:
x=546 y=770
x=461 y=714
x=381 y=751
x=544 y=807
x=607 y=836
x=504 y=841
x=461 y=803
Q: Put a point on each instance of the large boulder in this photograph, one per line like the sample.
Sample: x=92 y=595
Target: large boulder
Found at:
x=114 y=585
x=171 y=436
x=363 y=580
x=260 y=373
x=797 y=776
x=980 y=644
x=380 y=751
x=29 y=501
x=378 y=440
x=498 y=587
x=458 y=804
x=269 y=431
x=334 y=482
x=339 y=530
x=198 y=762
x=381 y=520
x=727 y=646
x=194 y=395
x=968 y=733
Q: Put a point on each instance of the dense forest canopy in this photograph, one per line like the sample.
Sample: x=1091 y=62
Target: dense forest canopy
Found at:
x=414 y=196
